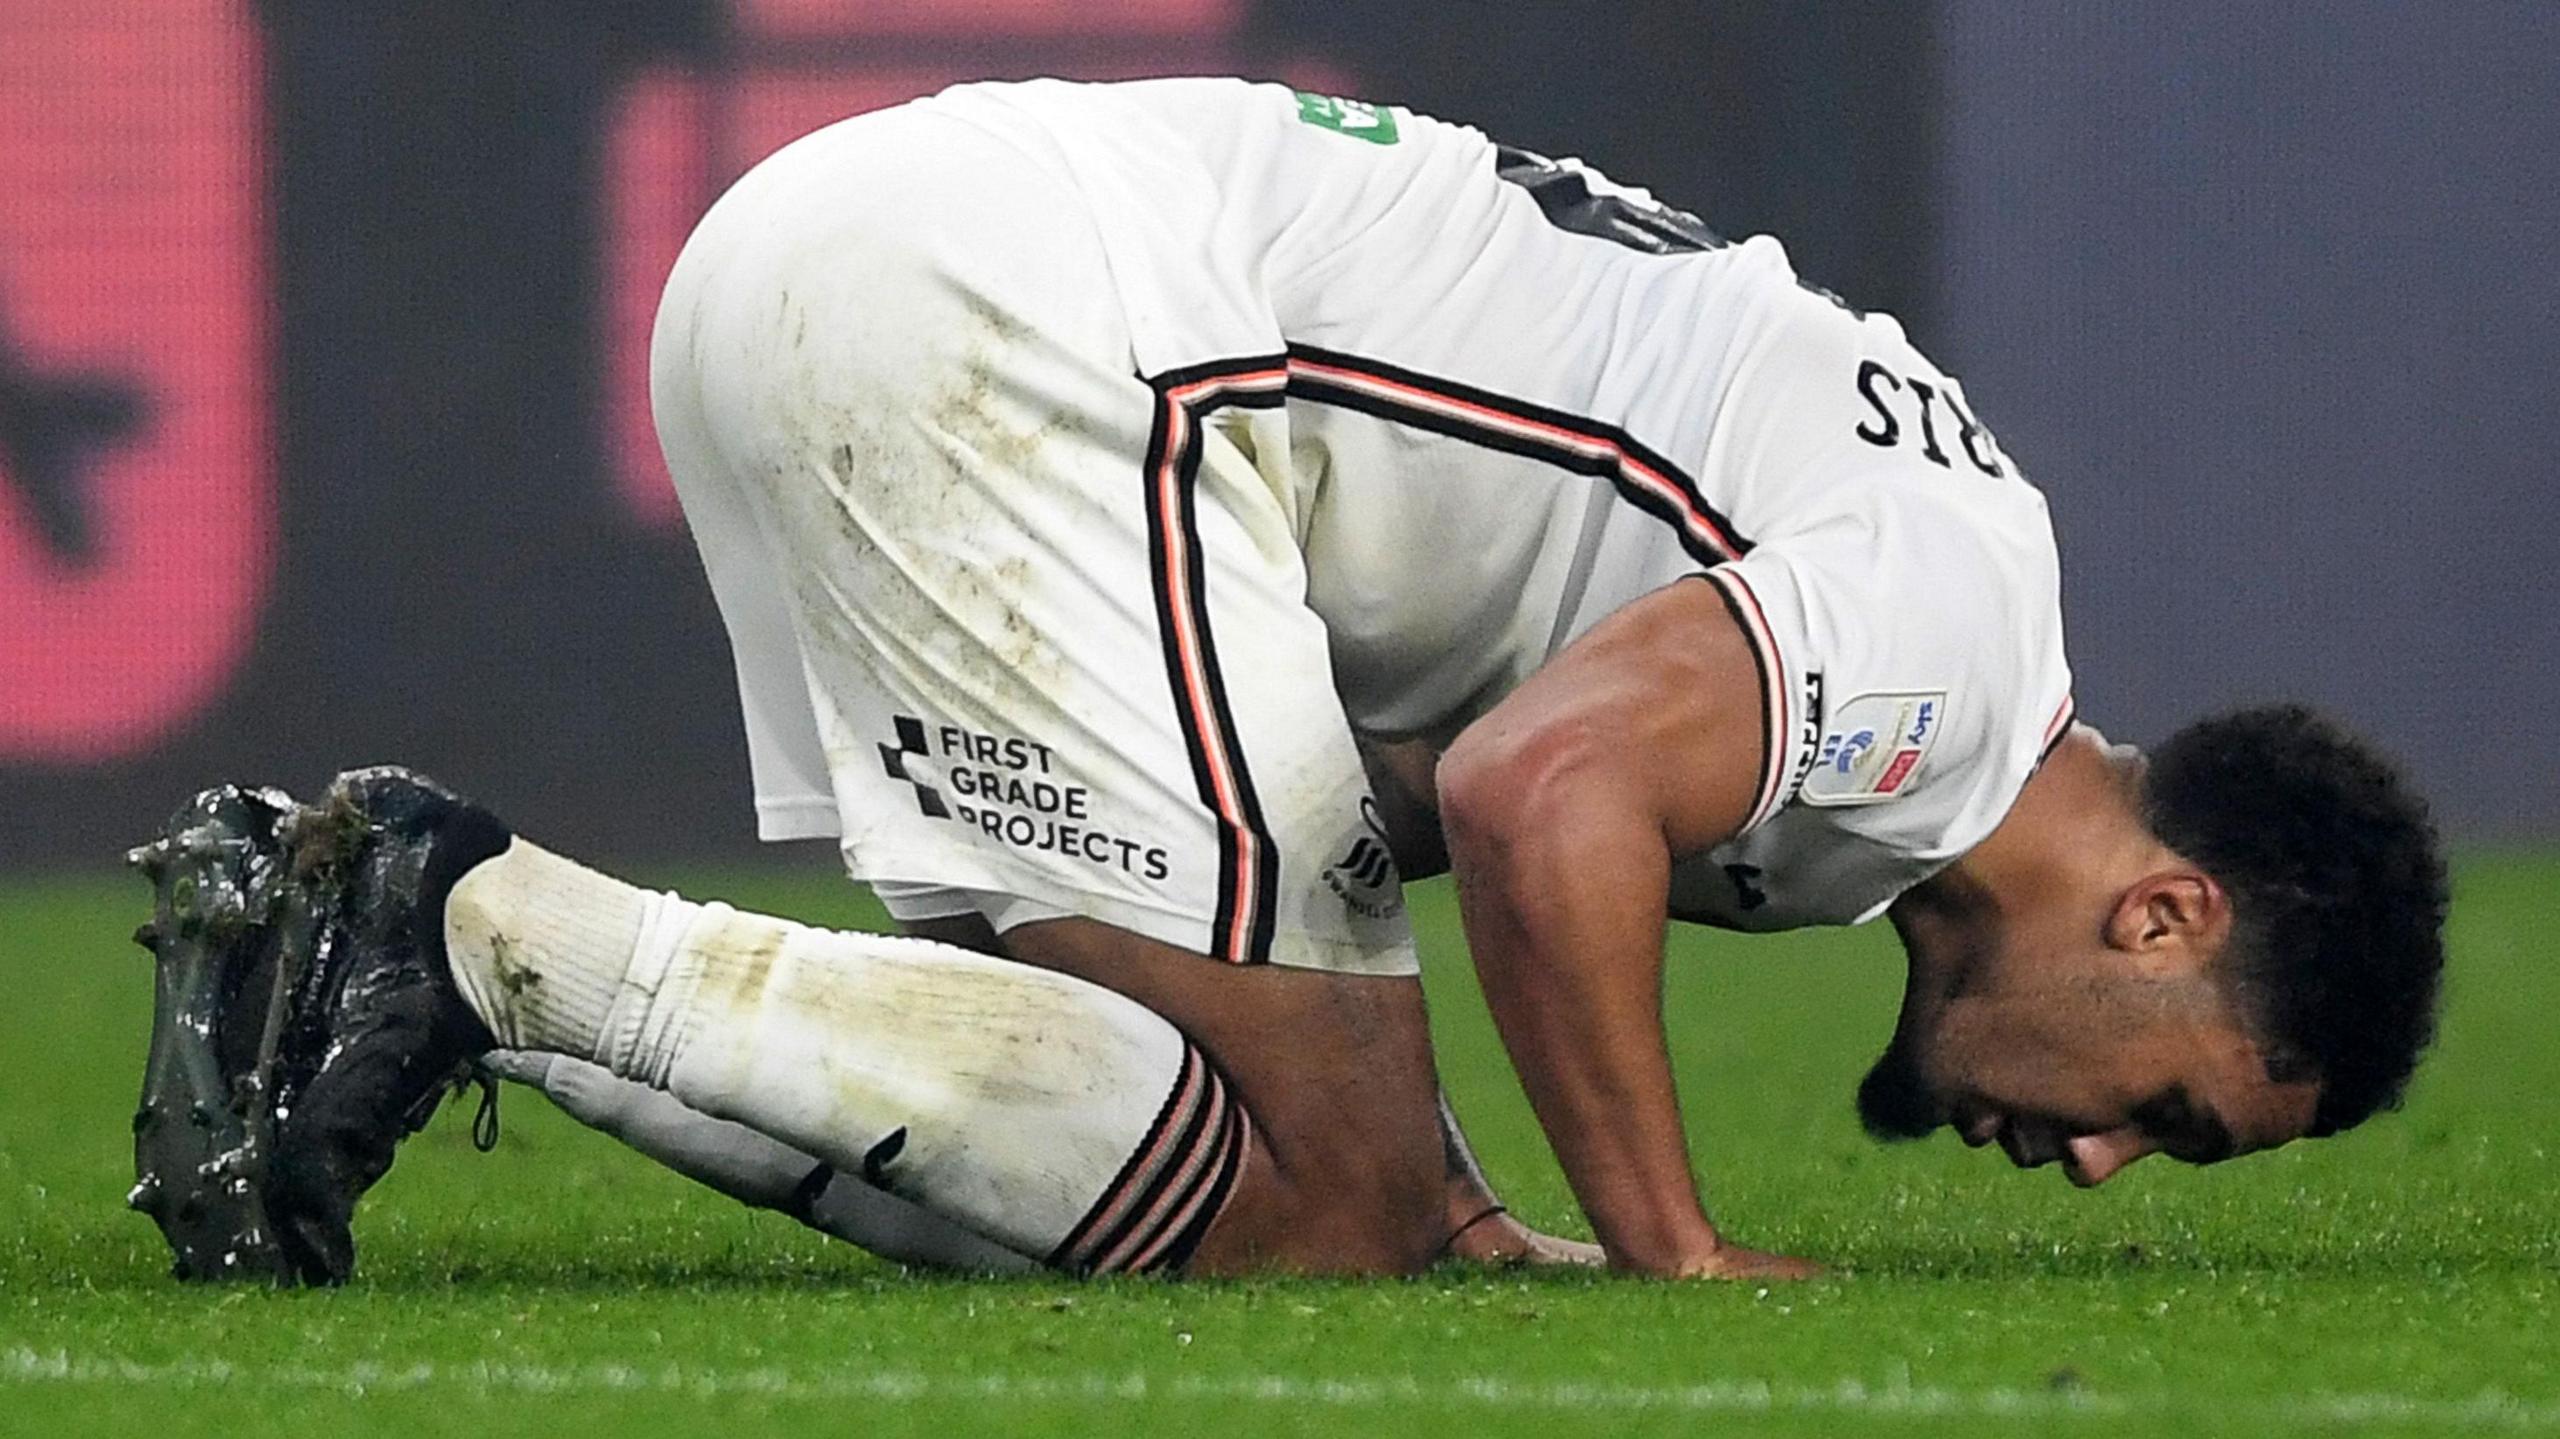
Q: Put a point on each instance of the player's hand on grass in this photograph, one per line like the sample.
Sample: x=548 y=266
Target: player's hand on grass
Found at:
x=1733 y=1261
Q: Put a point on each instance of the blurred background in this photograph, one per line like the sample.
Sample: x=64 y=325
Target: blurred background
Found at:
x=323 y=433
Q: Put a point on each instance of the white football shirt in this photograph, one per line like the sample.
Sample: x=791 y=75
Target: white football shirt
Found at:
x=1520 y=396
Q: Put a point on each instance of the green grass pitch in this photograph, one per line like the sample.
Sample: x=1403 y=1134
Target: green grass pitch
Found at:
x=2403 y=1279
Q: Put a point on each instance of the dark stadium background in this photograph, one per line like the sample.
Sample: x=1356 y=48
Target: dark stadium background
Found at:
x=321 y=322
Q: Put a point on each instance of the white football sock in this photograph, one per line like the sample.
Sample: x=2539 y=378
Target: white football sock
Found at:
x=754 y=1169
x=1051 y=1116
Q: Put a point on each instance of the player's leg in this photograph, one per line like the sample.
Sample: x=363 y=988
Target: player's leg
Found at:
x=1330 y=1070
x=1348 y=1175
x=1053 y=1117
x=754 y=1168
x=1310 y=1060
x=1316 y=1205
x=1050 y=1115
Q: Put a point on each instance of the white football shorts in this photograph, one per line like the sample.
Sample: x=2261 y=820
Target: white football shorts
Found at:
x=1026 y=629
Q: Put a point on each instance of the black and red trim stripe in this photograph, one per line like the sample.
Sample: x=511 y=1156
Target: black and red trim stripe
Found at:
x=2055 y=728
x=1777 y=718
x=1577 y=443
x=1248 y=862
x=1153 y=1213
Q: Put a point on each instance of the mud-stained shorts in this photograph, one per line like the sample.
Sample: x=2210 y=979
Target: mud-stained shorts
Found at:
x=1026 y=629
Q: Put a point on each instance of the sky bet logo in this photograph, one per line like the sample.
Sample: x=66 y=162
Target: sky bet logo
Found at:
x=1009 y=789
x=1874 y=747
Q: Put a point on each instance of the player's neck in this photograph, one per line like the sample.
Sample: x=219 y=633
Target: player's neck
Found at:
x=2076 y=828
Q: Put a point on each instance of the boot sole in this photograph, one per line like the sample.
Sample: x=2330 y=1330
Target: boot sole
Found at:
x=223 y=943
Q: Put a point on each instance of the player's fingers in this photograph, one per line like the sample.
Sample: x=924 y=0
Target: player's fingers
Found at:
x=1785 y=1266
x=1735 y=1262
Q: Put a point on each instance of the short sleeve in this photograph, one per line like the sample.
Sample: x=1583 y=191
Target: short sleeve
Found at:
x=1913 y=675
x=1911 y=669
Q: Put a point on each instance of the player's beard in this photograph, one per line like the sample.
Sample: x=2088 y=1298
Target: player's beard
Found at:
x=1894 y=1100
x=1898 y=1100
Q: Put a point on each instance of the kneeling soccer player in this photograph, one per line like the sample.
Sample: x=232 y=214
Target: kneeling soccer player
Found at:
x=1152 y=519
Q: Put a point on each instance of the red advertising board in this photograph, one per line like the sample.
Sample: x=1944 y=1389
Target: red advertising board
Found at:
x=136 y=470
x=139 y=485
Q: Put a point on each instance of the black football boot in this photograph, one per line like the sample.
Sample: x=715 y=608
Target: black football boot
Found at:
x=202 y=1136
x=376 y=1033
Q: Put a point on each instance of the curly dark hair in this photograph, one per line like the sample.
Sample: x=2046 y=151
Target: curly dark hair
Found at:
x=2338 y=895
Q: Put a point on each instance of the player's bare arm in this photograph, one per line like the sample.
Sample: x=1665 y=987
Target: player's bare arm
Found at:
x=1403 y=785
x=1564 y=808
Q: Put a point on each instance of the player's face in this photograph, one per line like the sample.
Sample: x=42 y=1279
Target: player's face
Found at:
x=2089 y=1071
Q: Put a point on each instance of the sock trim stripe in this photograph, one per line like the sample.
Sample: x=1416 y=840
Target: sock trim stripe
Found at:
x=1171 y=1181
x=1173 y=1248
x=1180 y=1114
x=1173 y=1196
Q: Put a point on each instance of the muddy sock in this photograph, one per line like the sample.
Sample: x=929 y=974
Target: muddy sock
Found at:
x=752 y=1168
x=1051 y=1116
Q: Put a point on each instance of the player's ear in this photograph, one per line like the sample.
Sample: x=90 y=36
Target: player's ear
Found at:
x=2173 y=918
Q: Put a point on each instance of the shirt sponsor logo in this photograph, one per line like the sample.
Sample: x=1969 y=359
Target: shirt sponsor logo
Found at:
x=1356 y=118
x=1011 y=790
x=1874 y=747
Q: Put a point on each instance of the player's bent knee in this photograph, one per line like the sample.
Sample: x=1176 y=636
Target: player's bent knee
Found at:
x=1341 y=1169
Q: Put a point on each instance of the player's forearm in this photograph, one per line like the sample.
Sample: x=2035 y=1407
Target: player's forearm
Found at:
x=1563 y=914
